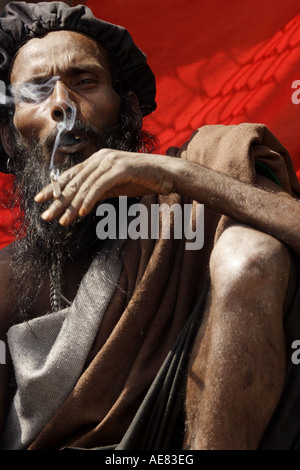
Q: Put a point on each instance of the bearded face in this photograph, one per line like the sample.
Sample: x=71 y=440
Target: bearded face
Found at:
x=70 y=69
x=41 y=245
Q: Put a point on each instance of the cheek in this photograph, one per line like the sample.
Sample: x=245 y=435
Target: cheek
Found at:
x=29 y=121
x=104 y=109
x=34 y=121
x=19 y=119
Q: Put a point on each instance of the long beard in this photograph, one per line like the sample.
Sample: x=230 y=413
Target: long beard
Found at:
x=35 y=236
x=41 y=245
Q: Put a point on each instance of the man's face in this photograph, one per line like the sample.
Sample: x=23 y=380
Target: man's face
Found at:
x=103 y=119
x=84 y=81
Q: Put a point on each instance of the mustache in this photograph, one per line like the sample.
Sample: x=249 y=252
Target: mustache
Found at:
x=80 y=128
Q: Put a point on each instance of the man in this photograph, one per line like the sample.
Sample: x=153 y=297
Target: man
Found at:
x=104 y=336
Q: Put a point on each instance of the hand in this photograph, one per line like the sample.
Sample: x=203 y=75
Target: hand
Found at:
x=107 y=173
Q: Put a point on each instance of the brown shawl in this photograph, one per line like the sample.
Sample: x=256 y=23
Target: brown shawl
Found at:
x=159 y=286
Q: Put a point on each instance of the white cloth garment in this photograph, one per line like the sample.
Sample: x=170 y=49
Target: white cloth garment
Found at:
x=49 y=352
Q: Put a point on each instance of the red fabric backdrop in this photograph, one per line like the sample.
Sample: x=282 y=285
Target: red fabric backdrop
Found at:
x=216 y=62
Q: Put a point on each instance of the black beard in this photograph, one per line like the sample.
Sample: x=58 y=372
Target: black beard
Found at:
x=42 y=245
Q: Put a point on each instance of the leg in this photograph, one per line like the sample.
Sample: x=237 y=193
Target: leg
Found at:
x=237 y=366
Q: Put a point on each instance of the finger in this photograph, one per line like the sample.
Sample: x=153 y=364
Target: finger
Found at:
x=119 y=178
x=108 y=185
x=70 y=214
x=74 y=192
x=57 y=207
x=73 y=210
x=47 y=192
x=86 y=167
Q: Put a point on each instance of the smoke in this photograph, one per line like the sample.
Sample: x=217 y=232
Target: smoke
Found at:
x=69 y=115
x=2 y=93
x=37 y=92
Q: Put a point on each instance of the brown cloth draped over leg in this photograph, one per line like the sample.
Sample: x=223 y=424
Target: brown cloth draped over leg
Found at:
x=160 y=285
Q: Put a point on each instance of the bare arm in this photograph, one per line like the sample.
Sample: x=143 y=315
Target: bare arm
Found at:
x=264 y=207
x=110 y=173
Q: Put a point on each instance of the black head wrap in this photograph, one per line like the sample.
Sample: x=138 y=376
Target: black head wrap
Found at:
x=22 y=21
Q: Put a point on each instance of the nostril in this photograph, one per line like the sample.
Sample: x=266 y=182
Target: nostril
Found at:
x=57 y=113
x=69 y=112
x=60 y=113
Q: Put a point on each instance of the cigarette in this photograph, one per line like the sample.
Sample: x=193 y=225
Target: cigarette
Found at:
x=55 y=184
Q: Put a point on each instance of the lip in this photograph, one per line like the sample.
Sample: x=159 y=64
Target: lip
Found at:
x=73 y=148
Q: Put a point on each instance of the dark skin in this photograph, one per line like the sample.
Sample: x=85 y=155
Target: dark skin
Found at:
x=84 y=74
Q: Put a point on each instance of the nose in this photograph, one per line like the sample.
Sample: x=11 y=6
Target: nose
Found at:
x=62 y=108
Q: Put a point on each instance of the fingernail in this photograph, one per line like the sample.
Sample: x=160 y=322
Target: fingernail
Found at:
x=82 y=211
x=45 y=215
x=63 y=220
x=38 y=197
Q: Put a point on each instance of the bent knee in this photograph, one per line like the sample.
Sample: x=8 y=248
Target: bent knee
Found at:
x=246 y=258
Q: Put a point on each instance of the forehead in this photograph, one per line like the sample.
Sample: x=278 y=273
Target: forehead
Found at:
x=55 y=54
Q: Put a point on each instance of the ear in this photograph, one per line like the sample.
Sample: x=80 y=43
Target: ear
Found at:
x=6 y=138
x=134 y=102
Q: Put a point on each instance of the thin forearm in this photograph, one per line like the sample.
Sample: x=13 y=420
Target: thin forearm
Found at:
x=110 y=173
x=275 y=213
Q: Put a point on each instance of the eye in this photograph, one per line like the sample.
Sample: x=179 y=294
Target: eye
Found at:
x=86 y=80
x=34 y=92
